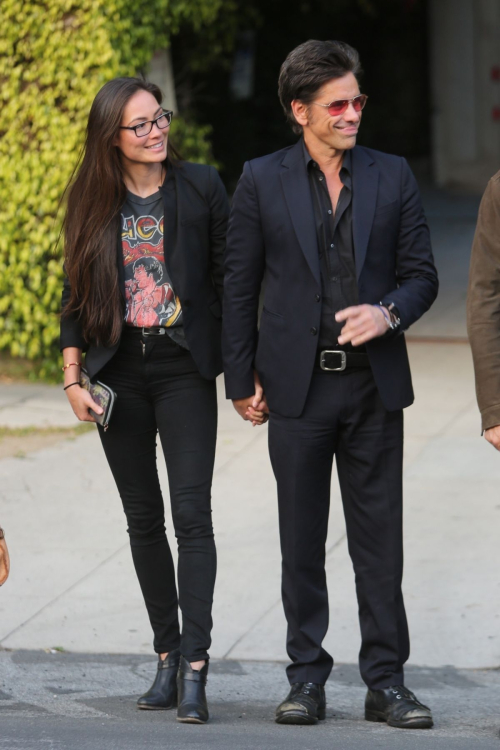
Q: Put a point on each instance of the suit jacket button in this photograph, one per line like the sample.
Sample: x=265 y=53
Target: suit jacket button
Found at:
x=317 y=297
x=314 y=331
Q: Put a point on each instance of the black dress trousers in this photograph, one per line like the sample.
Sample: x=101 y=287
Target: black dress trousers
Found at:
x=343 y=417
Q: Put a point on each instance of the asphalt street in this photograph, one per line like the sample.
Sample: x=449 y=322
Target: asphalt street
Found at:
x=87 y=702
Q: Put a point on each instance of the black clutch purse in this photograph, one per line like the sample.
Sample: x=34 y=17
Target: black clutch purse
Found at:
x=102 y=395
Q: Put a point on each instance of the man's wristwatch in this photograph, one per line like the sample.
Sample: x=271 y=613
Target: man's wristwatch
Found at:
x=2 y=533
x=395 y=320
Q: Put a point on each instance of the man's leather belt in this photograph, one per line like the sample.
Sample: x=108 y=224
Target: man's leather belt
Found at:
x=336 y=360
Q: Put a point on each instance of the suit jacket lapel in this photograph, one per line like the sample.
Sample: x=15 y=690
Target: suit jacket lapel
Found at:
x=299 y=201
x=365 y=176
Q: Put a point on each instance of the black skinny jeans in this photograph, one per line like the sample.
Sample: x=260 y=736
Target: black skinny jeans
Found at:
x=160 y=390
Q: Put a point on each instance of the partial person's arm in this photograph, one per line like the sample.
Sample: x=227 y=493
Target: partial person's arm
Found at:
x=4 y=559
x=219 y=211
x=483 y=310
x=244 y=269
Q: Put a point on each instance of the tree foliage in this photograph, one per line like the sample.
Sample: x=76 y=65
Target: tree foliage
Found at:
x=54 y=57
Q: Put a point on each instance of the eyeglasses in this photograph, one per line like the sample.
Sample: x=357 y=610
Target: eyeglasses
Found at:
x=340 y=105
x=145 y=128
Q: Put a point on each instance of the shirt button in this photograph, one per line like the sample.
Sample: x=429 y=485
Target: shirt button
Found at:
x=317 y=298
x=332 y=245
x=334 y=278
x=329 y=211
x=320 y=179
x=314 y=331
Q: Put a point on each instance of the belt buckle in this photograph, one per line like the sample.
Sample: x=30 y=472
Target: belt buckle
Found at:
x=160 y=332
x=343 y=360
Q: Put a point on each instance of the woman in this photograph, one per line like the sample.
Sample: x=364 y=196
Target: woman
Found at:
x=144 y=240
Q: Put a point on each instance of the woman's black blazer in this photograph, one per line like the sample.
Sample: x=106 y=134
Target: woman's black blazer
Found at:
x=194 y=249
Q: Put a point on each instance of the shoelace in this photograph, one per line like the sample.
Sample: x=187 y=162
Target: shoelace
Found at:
x=305 y=688
x=400 y=691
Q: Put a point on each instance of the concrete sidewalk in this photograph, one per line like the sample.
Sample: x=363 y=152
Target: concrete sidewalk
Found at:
x=73 y=584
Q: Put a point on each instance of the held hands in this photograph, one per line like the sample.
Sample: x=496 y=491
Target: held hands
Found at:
x=81 y=401
x=492 y=435
x=363 y=323
x=253 y=409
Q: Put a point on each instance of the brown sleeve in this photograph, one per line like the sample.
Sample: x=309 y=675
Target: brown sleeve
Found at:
x=483 y=305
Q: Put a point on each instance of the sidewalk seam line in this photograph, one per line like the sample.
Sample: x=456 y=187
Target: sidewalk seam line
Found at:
x=334 y=546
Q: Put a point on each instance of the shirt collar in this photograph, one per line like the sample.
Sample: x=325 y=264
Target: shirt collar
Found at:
x=346 y=168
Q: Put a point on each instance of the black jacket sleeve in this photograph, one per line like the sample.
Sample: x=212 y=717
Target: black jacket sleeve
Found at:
x=71 y=329
x=417 y=281
x=244 y=271
x=219 y=210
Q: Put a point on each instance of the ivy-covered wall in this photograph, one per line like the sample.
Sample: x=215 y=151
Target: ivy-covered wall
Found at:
x=54 y=57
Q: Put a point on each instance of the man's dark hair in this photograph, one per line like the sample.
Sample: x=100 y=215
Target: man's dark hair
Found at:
x=152 y=267
x=308 y=67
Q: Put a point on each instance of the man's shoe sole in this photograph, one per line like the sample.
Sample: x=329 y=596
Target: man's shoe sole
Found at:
x=416 y=723
x=298 y=717
x=190 y=720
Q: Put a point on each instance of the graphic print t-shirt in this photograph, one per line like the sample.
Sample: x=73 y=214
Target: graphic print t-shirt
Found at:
x=150 y=298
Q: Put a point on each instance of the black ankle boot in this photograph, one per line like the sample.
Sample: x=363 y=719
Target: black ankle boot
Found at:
x=162 y=694
x=192 y=700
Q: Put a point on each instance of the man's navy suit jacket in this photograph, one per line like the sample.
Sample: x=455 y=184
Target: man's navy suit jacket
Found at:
x=272 y=237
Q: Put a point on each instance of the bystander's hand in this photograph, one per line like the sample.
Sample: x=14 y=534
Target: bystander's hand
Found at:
x=4 y=561
x=492 y=435
x=362 y=323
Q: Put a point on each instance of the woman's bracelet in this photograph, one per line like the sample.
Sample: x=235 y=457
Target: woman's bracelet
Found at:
x=71 y=364
x=69 y=386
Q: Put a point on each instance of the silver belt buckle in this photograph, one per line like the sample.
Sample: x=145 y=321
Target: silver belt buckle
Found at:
x=343 y=360
x=159 y=332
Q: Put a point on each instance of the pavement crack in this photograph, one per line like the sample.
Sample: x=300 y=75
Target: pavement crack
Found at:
x=262 y=617
x=254 y=625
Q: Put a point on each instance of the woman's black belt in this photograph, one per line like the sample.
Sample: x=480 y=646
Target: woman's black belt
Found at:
x=336 y=360
x=152 y=331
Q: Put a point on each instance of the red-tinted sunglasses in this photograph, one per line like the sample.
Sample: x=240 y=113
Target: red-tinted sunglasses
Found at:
x=340 y=105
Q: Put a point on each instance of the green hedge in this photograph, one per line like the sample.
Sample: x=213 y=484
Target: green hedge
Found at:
x=54 y=56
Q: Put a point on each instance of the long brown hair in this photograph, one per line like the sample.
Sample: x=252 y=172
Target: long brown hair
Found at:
x=91 y=223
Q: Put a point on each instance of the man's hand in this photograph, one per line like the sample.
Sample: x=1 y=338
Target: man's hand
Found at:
x=492 y=435
x=363 y=323
x=254 y=408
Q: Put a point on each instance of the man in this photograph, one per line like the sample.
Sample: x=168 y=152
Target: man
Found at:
x=483 y=310
x=338 y=234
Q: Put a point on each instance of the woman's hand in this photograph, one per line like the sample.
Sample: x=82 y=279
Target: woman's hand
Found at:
x=81 y=401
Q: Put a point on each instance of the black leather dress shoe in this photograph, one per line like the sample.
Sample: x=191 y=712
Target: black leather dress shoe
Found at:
x=399 y=707
x=192 y=701
x=304 y=704
x=162 y=695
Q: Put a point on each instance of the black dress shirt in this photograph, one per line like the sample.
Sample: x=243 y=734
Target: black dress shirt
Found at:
x=336 y=249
